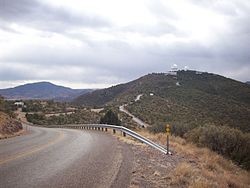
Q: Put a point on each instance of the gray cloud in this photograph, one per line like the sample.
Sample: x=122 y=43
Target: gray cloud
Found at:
x=101 y=52
x=41 y=16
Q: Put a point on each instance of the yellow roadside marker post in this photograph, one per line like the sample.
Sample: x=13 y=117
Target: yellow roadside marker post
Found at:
x=168 y=133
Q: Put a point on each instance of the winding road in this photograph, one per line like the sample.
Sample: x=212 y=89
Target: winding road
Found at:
x=134 y=118
x=46 y=157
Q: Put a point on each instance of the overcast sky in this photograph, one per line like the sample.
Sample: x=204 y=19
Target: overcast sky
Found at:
x=99 y=43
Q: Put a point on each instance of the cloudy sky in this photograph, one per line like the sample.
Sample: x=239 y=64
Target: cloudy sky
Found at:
x=99 y=43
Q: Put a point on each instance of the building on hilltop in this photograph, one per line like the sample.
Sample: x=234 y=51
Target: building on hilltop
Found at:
x=173 y=71
x=198 y=72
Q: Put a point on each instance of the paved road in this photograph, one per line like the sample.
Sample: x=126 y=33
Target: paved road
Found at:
x=135 y=119
x=64 y=158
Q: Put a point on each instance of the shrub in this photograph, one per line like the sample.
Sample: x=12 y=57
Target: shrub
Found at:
x=177 y=129
x=110 y=118
x=229 y=142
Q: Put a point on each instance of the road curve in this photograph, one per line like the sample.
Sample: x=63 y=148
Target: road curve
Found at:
x=64 y=158
x=135 y=119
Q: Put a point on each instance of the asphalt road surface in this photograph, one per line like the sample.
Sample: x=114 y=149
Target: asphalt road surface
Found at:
x=135 y=119
x=64 y=158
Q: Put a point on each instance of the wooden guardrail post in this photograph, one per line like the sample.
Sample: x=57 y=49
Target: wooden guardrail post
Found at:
x=124 y=134
x=106 y=129
x=114 y=131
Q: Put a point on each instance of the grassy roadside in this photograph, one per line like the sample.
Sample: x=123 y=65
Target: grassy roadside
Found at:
x=189 y=166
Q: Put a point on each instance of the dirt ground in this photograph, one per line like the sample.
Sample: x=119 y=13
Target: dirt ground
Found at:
x=151 y=168
x=188 y=166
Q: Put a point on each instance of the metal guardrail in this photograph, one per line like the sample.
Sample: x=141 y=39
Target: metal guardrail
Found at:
x=115 y=128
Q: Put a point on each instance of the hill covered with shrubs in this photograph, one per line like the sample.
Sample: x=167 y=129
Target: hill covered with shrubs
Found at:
x=207 y=109
x=187 y=100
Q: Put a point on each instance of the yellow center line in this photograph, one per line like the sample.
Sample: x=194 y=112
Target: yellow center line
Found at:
x=24 y=154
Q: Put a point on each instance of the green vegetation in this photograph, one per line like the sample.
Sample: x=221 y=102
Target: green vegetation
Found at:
x=231 y=143
x=7 y=107
x=46 y=106
x=190 y=103
x=49 y=112
x=199 y=100
x=110 y=118
x=77 y=117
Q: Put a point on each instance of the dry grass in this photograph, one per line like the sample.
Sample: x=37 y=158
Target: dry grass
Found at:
x=3 y=118
x=203 y=168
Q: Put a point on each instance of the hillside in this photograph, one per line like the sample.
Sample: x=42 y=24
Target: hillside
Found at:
x=124 y=93
x=8 y=126
x=42 y=90
x=190 y=100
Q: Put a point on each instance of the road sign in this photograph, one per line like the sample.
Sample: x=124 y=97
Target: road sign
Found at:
x=168 y=129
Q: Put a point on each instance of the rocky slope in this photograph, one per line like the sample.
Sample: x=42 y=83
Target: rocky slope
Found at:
x=8 y=126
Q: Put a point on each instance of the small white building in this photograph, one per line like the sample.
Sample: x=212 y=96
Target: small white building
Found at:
x=173 y=71
x=19 y=103
x=198 y=72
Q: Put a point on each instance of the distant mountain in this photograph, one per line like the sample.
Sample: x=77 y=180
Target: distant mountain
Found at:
x=190 y=98
x=248 y=82
x=42 y=90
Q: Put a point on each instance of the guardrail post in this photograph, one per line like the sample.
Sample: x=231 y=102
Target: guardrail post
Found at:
x=168 y=133
x=124 y=134
x=114 y=131
x=102 y=128
x=106 y=129
x=99 y=128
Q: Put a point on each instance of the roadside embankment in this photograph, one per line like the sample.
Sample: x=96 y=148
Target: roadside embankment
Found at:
x=189 y=166
x=9 y=127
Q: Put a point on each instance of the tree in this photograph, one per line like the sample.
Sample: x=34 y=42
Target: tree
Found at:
x=110 y=118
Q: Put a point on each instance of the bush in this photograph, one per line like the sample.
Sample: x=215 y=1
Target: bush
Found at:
x=158 y=128
x=229 y=142
x=36 y=118
x=110 y=118
x=78 y=117
x=177 y=129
